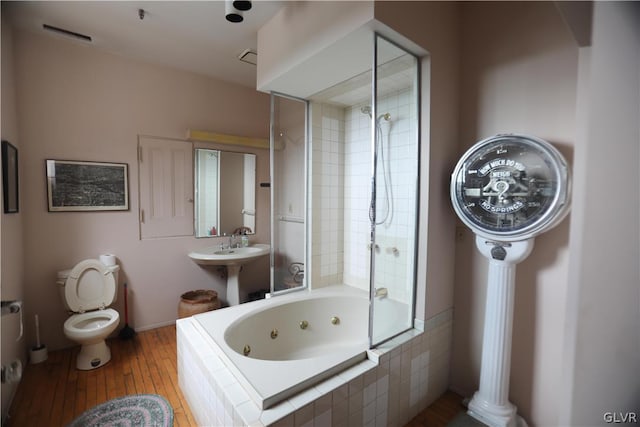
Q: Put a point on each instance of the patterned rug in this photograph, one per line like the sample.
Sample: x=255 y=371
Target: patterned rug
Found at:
x=141 y=410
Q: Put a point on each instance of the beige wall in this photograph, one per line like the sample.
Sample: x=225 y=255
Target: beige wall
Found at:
x=518 y=74
x=77 y=103
x=11 y=276
x=434 y=26
x=601 y=360
x=300 y=31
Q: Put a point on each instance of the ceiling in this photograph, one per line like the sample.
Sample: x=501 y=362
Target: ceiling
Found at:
x=188 y=35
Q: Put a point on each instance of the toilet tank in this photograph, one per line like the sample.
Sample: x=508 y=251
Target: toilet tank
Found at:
x=61 y=280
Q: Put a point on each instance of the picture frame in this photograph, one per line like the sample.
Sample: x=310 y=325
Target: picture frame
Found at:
x=10 y=177
x=87 y=186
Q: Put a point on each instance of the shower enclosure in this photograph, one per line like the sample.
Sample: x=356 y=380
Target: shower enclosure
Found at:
x=288 y=192
x=350 y=153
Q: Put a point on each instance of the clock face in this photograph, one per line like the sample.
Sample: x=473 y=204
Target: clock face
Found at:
x=510 y=187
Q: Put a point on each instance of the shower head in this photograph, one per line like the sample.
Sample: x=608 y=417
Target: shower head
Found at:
x=366 y=110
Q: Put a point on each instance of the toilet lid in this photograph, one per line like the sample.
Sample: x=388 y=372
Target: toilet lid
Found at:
x=90 y=285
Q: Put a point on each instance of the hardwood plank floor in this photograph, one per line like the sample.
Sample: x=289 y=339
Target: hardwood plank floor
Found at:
x=440 y=413
x=53 y=393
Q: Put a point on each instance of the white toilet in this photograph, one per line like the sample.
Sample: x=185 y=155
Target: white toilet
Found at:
x=87 y=290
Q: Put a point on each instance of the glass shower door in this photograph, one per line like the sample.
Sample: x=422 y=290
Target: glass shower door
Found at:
x=288 y=192
x=394 y=195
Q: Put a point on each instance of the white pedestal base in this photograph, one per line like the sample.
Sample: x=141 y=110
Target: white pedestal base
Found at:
x=495 y=415
x=490 y=404
x=233 y=284
x=93 y=356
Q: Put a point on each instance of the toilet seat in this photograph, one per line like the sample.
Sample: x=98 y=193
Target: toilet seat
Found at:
x=91 y=285
x=82 y=326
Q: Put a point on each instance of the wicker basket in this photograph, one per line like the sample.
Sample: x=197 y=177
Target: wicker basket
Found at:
x=200 y=301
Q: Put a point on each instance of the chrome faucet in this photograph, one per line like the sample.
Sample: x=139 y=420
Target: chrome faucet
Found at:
x=231 y=243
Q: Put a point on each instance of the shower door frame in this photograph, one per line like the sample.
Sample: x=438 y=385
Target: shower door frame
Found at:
x=272 y=139
x=374 y=136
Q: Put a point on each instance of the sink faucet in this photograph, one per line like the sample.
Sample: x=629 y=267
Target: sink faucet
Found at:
x=231 y=243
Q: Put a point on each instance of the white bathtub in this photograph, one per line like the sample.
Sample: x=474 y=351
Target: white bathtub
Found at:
x=283 y=358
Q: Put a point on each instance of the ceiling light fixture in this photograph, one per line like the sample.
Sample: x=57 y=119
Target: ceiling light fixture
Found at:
x=242 y=5
x=233 y=10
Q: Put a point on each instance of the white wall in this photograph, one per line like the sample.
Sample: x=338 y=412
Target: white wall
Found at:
x=601 y=357
x=11 y=225
x=77 y=103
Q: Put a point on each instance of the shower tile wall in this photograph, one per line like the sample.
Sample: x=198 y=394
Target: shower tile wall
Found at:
x=341 y=194
x=327 y=201
x=357 y=227
x=396 y=237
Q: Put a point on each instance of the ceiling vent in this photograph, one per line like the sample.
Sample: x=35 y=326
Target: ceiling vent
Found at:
x=67 y=33
x=249 y=56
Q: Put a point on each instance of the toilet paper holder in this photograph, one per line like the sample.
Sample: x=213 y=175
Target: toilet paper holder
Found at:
x=12 y=307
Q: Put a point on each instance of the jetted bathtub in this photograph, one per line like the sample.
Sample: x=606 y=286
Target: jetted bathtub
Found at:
x=280 y=346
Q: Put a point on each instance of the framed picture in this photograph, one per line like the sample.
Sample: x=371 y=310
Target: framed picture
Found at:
x=87 y=186
x=9 y=177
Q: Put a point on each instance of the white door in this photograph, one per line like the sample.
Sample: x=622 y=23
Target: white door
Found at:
x=165 y=168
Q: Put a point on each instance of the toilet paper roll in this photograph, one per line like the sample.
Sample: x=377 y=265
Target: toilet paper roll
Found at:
x=108 y=259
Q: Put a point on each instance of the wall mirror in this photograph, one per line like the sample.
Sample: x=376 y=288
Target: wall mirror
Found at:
x=225 y=193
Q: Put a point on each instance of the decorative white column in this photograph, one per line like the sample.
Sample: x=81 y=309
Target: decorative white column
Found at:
x=490 y=404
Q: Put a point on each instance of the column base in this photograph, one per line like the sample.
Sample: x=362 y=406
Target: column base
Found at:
x=495 y=415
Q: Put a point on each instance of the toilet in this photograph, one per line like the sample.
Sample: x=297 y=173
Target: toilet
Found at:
x=87 y=290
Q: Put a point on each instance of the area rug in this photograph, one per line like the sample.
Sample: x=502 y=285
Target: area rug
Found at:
x=140 y=410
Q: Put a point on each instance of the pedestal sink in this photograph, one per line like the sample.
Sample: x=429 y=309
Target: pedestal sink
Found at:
x=233 y=259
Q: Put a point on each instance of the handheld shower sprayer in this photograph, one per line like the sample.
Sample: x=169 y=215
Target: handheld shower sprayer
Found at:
x=379 y=151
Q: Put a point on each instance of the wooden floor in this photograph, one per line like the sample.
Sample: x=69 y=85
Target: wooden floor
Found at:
x=53 y=393
x=440 y=413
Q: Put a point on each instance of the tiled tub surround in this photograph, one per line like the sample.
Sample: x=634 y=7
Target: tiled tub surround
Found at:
x=396 y=381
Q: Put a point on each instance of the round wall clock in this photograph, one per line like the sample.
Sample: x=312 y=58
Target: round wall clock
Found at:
x=511 y=187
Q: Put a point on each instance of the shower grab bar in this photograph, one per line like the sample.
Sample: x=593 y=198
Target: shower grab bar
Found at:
x=284 y=218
